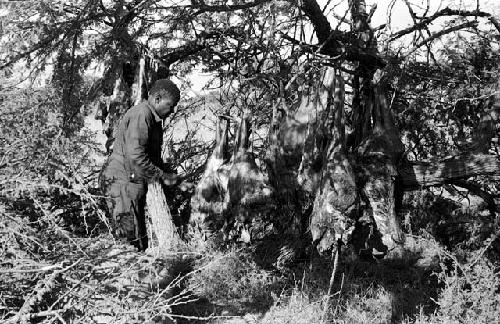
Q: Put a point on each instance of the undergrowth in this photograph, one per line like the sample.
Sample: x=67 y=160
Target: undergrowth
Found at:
x=50 y=275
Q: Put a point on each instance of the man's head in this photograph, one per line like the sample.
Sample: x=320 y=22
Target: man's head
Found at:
x=164 y=96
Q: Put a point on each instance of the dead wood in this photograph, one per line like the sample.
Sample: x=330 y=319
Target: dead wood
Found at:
x=417 y=175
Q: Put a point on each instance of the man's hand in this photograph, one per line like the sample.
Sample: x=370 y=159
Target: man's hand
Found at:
x=170 y=179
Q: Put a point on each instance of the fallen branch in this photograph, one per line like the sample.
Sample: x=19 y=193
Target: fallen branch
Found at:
x=48 y=313
x=418 y=175
x=42 y=287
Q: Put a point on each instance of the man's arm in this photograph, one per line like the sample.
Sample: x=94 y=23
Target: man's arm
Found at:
x=136 y=143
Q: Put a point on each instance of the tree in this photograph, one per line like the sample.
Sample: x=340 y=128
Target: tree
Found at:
x=333 y=154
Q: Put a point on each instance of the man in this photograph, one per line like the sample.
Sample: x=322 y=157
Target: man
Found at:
x=136 y=161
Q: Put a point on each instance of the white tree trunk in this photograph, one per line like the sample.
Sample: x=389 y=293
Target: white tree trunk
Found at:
x=162 y=233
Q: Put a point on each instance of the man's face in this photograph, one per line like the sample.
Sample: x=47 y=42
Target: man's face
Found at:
x=164 y=106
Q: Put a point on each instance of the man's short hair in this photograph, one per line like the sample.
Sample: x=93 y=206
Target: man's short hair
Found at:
x=164 y=88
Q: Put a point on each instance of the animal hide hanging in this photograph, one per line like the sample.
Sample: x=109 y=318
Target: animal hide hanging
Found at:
x=379 y=154
x=250 y=192
x=211 y=198
x=334 y=206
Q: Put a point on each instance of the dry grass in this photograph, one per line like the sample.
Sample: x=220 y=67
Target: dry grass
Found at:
x=420 y=287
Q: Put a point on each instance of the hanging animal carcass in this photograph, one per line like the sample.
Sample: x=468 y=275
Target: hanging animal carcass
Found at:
x=250 y=193
x=211 y=198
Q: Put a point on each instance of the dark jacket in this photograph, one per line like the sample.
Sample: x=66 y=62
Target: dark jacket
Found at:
x=136 y=153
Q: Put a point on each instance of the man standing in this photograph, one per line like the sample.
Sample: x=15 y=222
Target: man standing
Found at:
x=136 y=161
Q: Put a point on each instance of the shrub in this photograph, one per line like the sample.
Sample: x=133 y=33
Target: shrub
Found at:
x=44 y=173
x=471 y=294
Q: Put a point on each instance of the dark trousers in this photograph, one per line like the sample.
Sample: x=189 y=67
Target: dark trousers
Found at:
x=126 y=203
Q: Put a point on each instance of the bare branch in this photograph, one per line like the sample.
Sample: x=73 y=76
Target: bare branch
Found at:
x=40 y=46
x=425 y=21
x=478 y=190
x=202 y=8
x=444 y=32
x=313 y=11
x=495 y=23
x=193 y=47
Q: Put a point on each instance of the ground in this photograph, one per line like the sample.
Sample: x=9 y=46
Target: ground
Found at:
x=51 y=275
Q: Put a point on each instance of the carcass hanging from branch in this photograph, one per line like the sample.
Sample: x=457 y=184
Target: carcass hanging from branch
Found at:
x=292 y=136
x=114 y=103
x=306 y=152
x=250 y=192
x=312 y=154
x=333 y=215
x=318 y=106
x=379 y=155
x=233 y=194
x=210 y=198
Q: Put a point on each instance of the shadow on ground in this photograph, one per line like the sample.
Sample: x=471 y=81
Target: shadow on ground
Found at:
x=370 y=291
